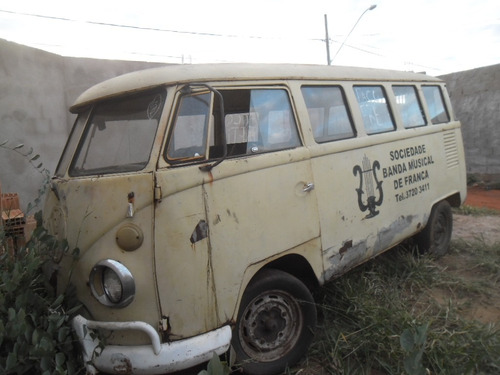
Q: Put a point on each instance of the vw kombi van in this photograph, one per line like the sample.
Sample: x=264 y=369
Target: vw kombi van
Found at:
x=208 y=201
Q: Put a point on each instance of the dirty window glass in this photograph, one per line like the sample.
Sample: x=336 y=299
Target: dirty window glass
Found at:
x=409 y=106
x=435 y=104
x=374 y=109
x=119 y=135
x=328 y=113
x=258 y=120
x=188 y=140
x=72 y=143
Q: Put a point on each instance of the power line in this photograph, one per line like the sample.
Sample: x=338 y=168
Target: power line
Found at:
x=145 y=28
x=196 y=33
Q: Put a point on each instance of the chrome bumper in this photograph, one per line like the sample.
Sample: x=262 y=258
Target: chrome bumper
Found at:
x=156 y=358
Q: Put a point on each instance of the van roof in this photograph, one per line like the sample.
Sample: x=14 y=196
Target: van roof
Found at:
x=174 y=74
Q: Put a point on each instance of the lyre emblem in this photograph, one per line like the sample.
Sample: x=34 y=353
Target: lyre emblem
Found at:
x=368 y=176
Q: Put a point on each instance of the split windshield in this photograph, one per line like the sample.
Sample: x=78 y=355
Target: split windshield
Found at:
x=119 y=135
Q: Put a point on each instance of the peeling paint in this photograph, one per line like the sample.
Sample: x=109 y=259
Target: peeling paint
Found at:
x=233 y=215
x=347 y=245
x=217 y=220
x=200 y=232
x=121 y=364
x=350 y=256
x=386 y=235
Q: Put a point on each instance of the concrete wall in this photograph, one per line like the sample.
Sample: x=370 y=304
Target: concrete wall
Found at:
x=475 y=95
x=36 y=89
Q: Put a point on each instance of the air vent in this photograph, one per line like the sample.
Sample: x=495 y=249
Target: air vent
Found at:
x=450 y=149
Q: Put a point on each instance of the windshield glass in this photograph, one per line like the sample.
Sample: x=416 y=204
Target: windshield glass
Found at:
x=119 y=135
x=71 y=144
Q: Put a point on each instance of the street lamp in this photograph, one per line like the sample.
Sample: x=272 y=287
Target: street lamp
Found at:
x=362 y=14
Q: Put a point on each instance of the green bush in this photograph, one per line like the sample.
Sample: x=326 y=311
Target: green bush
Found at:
x=35 y=332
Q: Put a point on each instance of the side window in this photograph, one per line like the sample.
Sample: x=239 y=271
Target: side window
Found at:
x=374 y=109
x=328 y=113
x=188 y=139
x=409 y=106
x=435 y=104
x=258 y=120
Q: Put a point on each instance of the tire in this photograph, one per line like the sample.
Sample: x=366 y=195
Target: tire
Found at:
x=275 y=323
x=436 y=236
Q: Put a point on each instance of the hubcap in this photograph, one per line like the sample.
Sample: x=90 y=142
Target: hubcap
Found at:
x=270 y=326
x=440 y=232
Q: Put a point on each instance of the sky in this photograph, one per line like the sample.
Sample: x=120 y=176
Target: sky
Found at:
x=433 y=36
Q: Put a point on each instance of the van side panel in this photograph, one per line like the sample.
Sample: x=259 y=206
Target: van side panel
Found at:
x=382 y=193
x=182 y=253
x=259 y=208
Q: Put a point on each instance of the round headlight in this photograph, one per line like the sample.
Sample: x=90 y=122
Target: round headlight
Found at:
x=112 y=284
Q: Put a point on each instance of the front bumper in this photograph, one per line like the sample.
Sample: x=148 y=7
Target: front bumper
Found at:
x=156 y=358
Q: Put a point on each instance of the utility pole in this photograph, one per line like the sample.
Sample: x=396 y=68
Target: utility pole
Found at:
x=327 y=40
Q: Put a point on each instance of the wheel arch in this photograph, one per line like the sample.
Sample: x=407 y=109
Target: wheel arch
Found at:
x=291 y=263
x=296 y=265
x=454 y=200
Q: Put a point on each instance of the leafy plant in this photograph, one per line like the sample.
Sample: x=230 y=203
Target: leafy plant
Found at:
x=216 y=367
x=413 y=343
x=35 y=332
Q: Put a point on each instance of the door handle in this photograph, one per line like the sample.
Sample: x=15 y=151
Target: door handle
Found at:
x=308 y=187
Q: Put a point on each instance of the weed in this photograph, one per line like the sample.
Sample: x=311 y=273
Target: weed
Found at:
x=382 y=316
x=475 y=211
x=35 y=331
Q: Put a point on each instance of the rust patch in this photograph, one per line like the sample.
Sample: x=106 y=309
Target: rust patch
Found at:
x=347 y=245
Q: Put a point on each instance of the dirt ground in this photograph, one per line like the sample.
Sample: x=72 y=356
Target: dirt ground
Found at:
x=478 y=196
x=484 y=307
x=474 y=227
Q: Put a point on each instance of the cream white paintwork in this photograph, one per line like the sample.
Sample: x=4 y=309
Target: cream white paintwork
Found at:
x=255 y=209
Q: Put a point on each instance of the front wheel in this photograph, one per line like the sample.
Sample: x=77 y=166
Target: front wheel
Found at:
x=436 y=236
x=275 y=323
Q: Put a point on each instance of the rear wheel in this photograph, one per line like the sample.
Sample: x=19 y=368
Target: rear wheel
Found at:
x=275 y=323
x=436 y=236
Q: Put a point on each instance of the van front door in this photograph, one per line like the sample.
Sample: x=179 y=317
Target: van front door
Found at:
x=181 y=245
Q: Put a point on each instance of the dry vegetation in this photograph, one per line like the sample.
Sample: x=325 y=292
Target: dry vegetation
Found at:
x=404 y=313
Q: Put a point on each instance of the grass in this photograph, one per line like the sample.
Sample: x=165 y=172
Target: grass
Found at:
x=404 y=313
x=475 y=211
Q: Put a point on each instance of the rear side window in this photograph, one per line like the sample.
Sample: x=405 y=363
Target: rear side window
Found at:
x=435 y=104
x=409 y=106
x=328 y=113
x=374 y=109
